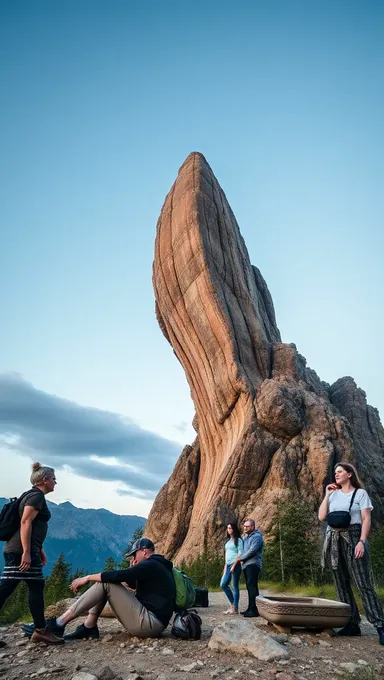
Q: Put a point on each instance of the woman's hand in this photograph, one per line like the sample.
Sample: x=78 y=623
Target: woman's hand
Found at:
x=330 y=489
x=359 y=550
x=43 y=556
x=25 y=561
x=78 y=583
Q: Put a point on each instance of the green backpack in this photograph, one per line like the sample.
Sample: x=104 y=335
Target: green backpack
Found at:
x=185 y=592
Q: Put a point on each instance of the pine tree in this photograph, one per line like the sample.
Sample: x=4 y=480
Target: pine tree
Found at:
x=16 y=607
x=292 y=551
x=110 y=564
x=57 y=584
x=138 y=532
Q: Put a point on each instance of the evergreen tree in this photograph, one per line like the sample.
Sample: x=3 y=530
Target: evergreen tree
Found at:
x=110 y=564
x=57 y=584
x=138 y=532
x=293 y=543
x=16 y=607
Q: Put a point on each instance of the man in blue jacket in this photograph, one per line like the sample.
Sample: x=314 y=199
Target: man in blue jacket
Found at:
x=251 y=563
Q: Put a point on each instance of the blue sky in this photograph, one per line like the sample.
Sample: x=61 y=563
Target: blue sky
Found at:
x=100 y=104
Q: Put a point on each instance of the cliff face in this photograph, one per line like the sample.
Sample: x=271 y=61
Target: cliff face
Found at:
x=265 y=422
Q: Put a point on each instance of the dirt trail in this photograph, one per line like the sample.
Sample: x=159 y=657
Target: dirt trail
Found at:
x=312 y=657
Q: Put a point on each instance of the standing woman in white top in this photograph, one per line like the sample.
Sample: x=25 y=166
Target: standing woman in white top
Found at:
x=346 y=550
x=233 y=548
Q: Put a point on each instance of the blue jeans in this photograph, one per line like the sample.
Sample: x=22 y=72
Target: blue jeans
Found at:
x=225 y=581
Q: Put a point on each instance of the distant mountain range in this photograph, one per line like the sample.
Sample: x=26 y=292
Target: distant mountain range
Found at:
x=86 y=537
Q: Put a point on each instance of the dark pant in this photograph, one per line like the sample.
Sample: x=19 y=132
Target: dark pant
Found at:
x=251 y=574
x=360 y=571
x=35 y=585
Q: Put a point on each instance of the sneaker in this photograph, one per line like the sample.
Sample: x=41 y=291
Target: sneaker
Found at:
x=228 y=611
x=29 y=628
x=46 y=635
x=381 y=635
x=83 y=633
x=351 y=629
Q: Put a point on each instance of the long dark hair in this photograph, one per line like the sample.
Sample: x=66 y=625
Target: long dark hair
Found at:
x=354 y=479
x=236 y=533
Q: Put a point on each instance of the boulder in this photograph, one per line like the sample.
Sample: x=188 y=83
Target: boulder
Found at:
x=265 y=422
x=244 y=637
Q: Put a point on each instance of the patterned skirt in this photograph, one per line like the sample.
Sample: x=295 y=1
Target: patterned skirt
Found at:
x=12 y=572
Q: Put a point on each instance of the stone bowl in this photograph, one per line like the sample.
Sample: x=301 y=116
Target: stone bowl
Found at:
x=303 y=612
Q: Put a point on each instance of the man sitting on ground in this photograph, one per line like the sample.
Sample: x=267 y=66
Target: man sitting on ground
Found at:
x=145 y=613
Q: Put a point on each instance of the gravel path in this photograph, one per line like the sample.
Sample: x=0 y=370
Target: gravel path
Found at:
x=311 y=657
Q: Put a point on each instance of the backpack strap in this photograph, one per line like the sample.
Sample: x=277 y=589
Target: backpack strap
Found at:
x=352 y=499
x=26 y=494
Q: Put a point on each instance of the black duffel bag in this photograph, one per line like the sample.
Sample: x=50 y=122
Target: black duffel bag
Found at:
x=341 y=519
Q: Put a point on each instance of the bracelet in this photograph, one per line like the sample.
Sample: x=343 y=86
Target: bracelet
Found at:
x=362 y=541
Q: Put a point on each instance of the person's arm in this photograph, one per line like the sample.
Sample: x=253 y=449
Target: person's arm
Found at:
x=128 y=576
x=29 y=514
x=365 y=529
x=83 y=580
x=324 y=507
x=240 y=548
x=256 y=543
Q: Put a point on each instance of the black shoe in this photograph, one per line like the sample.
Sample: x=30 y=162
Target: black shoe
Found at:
x=251 y=613
x=381 y=635
x=351 y=629
x=83 y=633
x=244 y=612
x=29 y=628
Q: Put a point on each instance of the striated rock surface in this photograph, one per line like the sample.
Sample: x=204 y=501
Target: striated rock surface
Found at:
x=265 y=422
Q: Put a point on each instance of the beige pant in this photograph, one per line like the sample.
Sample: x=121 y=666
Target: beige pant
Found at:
x=136 y=619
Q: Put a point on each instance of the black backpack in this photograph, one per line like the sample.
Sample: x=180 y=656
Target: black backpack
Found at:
x=10 y=517
x=187 y=625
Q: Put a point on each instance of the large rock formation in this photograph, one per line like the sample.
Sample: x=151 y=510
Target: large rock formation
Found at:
x=266 y=423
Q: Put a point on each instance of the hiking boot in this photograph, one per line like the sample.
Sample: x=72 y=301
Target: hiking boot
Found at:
x=351 y=629
x=29 y=628
x=251 y=613
x=46 y=635
x=83 y=633
x=381 y=635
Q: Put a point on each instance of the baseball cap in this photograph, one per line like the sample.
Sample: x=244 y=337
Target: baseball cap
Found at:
x=140 y=544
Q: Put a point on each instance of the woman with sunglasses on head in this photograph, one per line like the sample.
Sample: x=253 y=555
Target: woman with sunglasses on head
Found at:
x=347 y=509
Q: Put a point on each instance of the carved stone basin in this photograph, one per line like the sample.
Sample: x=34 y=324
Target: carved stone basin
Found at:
x=303 y=612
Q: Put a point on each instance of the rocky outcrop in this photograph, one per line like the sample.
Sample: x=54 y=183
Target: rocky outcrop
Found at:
x=266 y=423
x=239 y=636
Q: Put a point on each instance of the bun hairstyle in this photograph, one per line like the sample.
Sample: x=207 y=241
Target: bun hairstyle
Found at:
x=40 y=472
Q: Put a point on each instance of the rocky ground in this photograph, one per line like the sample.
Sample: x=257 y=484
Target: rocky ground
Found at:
x=115 y=656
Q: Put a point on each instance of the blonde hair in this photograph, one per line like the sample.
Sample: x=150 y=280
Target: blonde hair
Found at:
x=354 y=479
x=40 y=472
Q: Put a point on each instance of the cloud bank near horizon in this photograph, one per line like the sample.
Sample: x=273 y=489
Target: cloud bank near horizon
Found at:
x=93 y=443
